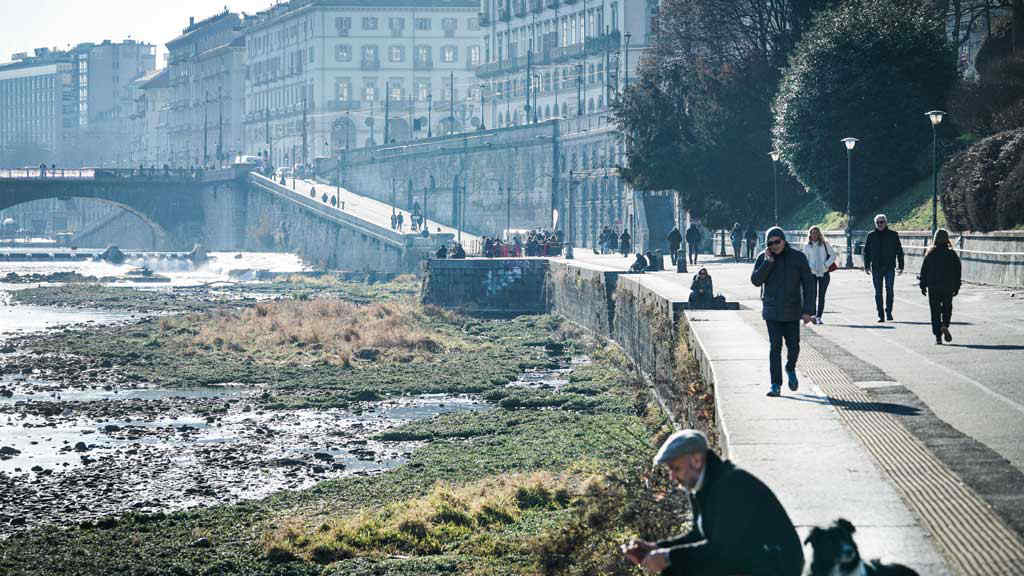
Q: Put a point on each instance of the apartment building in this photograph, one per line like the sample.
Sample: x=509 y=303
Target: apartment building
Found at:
x=324 y=75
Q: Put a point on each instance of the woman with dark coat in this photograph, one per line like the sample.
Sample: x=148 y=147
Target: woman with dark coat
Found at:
x=940 y=281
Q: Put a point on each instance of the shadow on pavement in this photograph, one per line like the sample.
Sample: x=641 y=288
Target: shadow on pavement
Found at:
x=987 y=346
x=929 y=323
x=878 y=326
x=882 y=407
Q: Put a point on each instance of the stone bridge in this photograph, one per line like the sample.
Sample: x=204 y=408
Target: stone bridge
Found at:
x=233 y=209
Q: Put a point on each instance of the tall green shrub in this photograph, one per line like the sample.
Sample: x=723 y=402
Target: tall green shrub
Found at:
x=867 y=69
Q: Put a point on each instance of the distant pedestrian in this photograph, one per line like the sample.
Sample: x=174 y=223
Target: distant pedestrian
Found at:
x=442 y=252
x=820 y=257
x=312 y=191
x=639 y=264
x=458 y=252
x=401 y=221
x=701 y=290
x=693 y=240
x=751 y=238
x=787 y=296
x=625 y=243
x=675 y=239
x=736 y=237
x=323 y=197
x=940 y=281
x=882 y=252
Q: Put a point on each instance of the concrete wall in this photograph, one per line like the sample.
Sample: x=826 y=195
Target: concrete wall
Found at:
x=646 y=323
x=502 y=286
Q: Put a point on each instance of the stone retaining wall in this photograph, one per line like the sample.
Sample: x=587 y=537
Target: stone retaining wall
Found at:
x=487 y=286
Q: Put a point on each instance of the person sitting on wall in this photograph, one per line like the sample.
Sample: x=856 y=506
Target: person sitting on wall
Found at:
x=639 y=265
x=701 y=290
x=458 y=252
x=442 y=252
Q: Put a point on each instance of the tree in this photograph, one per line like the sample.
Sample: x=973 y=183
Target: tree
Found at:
x=699 y=119
x=983 y=187
x=867 y=69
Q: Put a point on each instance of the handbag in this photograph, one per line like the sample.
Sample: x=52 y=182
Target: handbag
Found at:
x=833 y=266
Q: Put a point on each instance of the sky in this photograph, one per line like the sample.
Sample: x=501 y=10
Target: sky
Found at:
x=29 y=24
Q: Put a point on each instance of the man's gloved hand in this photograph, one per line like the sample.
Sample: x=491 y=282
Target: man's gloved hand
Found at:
x=924 y=291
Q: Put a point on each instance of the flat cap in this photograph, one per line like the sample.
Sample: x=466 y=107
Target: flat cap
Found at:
x=679 y=443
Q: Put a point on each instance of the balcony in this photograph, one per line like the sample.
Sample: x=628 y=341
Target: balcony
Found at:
x=604 y=42
x=342 y=105
x=369 y=64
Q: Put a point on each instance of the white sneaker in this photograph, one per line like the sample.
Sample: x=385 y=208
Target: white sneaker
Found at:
x=817 y=320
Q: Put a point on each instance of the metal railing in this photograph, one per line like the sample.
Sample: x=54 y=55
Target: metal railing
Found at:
x=101 y=174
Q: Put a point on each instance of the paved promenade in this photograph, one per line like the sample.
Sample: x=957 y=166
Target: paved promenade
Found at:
x=918 y=445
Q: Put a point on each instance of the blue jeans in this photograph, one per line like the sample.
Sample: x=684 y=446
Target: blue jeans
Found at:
x=777 y=331
x=889 y=276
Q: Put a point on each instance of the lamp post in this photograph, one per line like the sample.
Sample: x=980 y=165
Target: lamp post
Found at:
x=482 y=86
x=775 y=154
x=625 y=84
x=936 y=118
x=850 y=143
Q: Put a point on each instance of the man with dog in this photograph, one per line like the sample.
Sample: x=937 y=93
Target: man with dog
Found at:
x=739 y=526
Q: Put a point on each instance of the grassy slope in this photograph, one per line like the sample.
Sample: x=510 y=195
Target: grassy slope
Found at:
x=911 y=210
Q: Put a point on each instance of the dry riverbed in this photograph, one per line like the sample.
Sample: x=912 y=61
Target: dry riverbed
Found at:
x=315 y=426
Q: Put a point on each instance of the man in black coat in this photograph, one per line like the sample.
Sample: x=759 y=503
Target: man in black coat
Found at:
x=882 y=252
x=693 y=239
x=739 y=526
x=787 y=296
x=675 y=239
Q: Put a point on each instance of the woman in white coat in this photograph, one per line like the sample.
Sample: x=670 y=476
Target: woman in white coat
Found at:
x=820 y=257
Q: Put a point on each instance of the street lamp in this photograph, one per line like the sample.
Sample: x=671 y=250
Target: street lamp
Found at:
x=850 y=143
x=482 y=86
x=775 y=154
x=936 y=118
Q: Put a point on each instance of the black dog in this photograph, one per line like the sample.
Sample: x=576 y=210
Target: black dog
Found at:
x=836 y=554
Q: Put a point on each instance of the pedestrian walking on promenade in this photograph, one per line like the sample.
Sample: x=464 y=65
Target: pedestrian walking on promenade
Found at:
x=739 y=526
x=736 y=237
x=751 y=238
x=787 y=296
x=675 y=239
x=882 y=253
x=625 y=243
x=693 y=240
x=940 y=281
x=821 y=258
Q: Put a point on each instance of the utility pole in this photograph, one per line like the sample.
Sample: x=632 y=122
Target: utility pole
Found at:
x=412 y=134
x=482 y=127
x=529 y=65
x=220 y=126
x=451 y=103
x=206 y=155
x=625 y=84
x=266 y=129
x=305 y=135
x=579 y=89
x=387 y=112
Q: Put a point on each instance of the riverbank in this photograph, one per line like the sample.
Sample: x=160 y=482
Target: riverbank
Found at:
x=416 y=440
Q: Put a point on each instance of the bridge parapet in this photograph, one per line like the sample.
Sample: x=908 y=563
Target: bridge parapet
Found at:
x=124 y=174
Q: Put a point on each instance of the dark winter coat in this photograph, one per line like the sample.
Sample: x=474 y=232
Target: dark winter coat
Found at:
x=693 y=235
x=882 y=250
x=743 y=528
x=675 y=238
x=941 y=270
x=788 y=286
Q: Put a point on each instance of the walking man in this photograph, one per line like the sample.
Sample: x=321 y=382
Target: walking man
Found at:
x=693 y=240
x=625 y=243
x=787 y=296
x=736 y=237
x=882 y=253
x=674 y=240
x=751 y=238
x=739 y=525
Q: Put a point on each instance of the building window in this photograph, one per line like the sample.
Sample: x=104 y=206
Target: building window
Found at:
x=424 y=23
x=342 y=89
x=396 y=54
x=342 y=24
x=310 y=55
x=423 y=55
x=473 y=24
x=370 y=54
x=449 y=54
x=369 y=23
x=343 y=53
x=449 y=25
x=396 y=25
x=422 y=89
x=474 y=55
x=370 y=90
x=395 y=88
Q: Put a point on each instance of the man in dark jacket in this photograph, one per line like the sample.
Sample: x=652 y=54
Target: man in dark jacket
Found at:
x=940 y=281
x=787 y=296
x=882 y=252
x=693 y=239
x=625 y=243
x=739 y=526
x=675 y=239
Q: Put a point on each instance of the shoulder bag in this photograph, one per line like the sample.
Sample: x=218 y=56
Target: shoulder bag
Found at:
x=833 y=266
